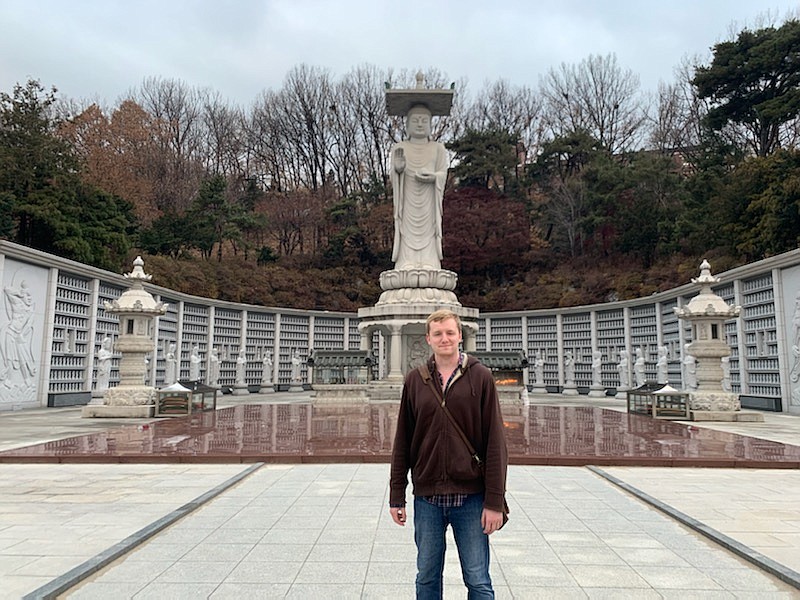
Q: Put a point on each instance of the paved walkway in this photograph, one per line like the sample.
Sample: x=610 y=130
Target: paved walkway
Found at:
x=323 y=531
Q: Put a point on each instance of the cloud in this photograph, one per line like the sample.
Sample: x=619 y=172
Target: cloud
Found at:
x=96 y=49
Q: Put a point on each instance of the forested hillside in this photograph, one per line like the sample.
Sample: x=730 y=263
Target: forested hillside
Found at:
x=580 y=190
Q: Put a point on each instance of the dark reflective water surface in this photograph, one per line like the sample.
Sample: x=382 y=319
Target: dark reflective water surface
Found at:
x=336 y=432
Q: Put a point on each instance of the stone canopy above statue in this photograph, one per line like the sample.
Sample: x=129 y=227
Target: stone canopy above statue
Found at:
x=438 y=101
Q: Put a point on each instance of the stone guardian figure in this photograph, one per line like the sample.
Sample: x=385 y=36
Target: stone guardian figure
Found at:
x=266 y=369
x=213 y=368
x=597 y=366
x=194 y=364
x=296 y=362
x=638 y=368
x=104 y=355
x=241 y=366
x=569 y=368
x=662 y=365
x=624 y=369
x=171 y=370
x=538 y=368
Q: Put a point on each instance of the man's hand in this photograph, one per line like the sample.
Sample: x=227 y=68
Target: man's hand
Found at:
x=491 y=520
x=398 y=515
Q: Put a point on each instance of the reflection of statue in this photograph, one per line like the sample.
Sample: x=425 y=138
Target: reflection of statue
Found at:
x=569 y=368
x=266 y=368
x=726 y=374
x=171 y=371
x=538 y=368
x=194 y=364
x=624 y=369
x=418 y=173
x=213 y=368
x=662 y=365
x=17 y=350
x=296 y=362
x=689 y=370
x=597 y=365
x=638 y=368
x=241 y=365
x=104 y=364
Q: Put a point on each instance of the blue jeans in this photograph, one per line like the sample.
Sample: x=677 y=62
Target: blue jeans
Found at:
x=430 y=524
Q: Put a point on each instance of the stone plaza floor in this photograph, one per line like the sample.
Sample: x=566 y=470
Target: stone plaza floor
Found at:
x=307 y=529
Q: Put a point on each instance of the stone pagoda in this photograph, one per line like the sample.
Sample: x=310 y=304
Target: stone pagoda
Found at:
x=417 y=285
x=707 y=313
x=136 y=309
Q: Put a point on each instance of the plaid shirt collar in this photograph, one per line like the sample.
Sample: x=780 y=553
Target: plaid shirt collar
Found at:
x=459 y=368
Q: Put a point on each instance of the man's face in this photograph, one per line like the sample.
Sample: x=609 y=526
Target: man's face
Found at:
x=444 y=337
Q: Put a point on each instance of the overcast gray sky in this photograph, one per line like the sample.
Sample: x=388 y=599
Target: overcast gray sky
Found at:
x=99 y=49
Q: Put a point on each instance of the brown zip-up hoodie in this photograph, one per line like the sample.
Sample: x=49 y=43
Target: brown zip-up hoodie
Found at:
x=427 y=443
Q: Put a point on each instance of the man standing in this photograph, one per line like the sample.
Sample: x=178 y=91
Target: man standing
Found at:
x=450 y=486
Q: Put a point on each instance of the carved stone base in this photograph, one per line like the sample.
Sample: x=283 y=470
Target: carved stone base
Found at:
x=418 y=286
x=130 y=395
x=439 y=279
x=597 y=391
x=266 y=388
x=570 y=389
x=714 y=401
x=240 y=390
x=418 y=295
x=296 y=387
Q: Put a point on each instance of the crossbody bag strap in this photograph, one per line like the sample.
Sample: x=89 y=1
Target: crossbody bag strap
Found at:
x=426 y=377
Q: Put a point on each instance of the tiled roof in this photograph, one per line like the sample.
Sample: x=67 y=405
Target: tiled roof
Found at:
x=341 y=358
x=502 y=361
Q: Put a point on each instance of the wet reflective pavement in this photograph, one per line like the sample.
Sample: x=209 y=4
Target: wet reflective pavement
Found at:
x=302 y=432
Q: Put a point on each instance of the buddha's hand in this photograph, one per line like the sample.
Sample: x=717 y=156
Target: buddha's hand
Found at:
x=399 y=160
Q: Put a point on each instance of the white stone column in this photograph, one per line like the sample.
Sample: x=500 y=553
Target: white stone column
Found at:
x=277 y=355
x=395 y=352
x=179 y=339
x=624 y=386
x=596 y=390
x=560 y=349
x=784 y=346
x=97 y=396
x=526 y=373
x=240 y=388
x=43 y=376
x=741 y=342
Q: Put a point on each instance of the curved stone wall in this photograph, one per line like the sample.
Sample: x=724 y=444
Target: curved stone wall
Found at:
x=53 y=323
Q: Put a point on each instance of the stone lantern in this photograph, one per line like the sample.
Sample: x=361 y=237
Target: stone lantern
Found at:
x=136 y=309
x=707 y=313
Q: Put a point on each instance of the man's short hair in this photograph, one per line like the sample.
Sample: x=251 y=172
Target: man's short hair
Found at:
x=441 y=315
